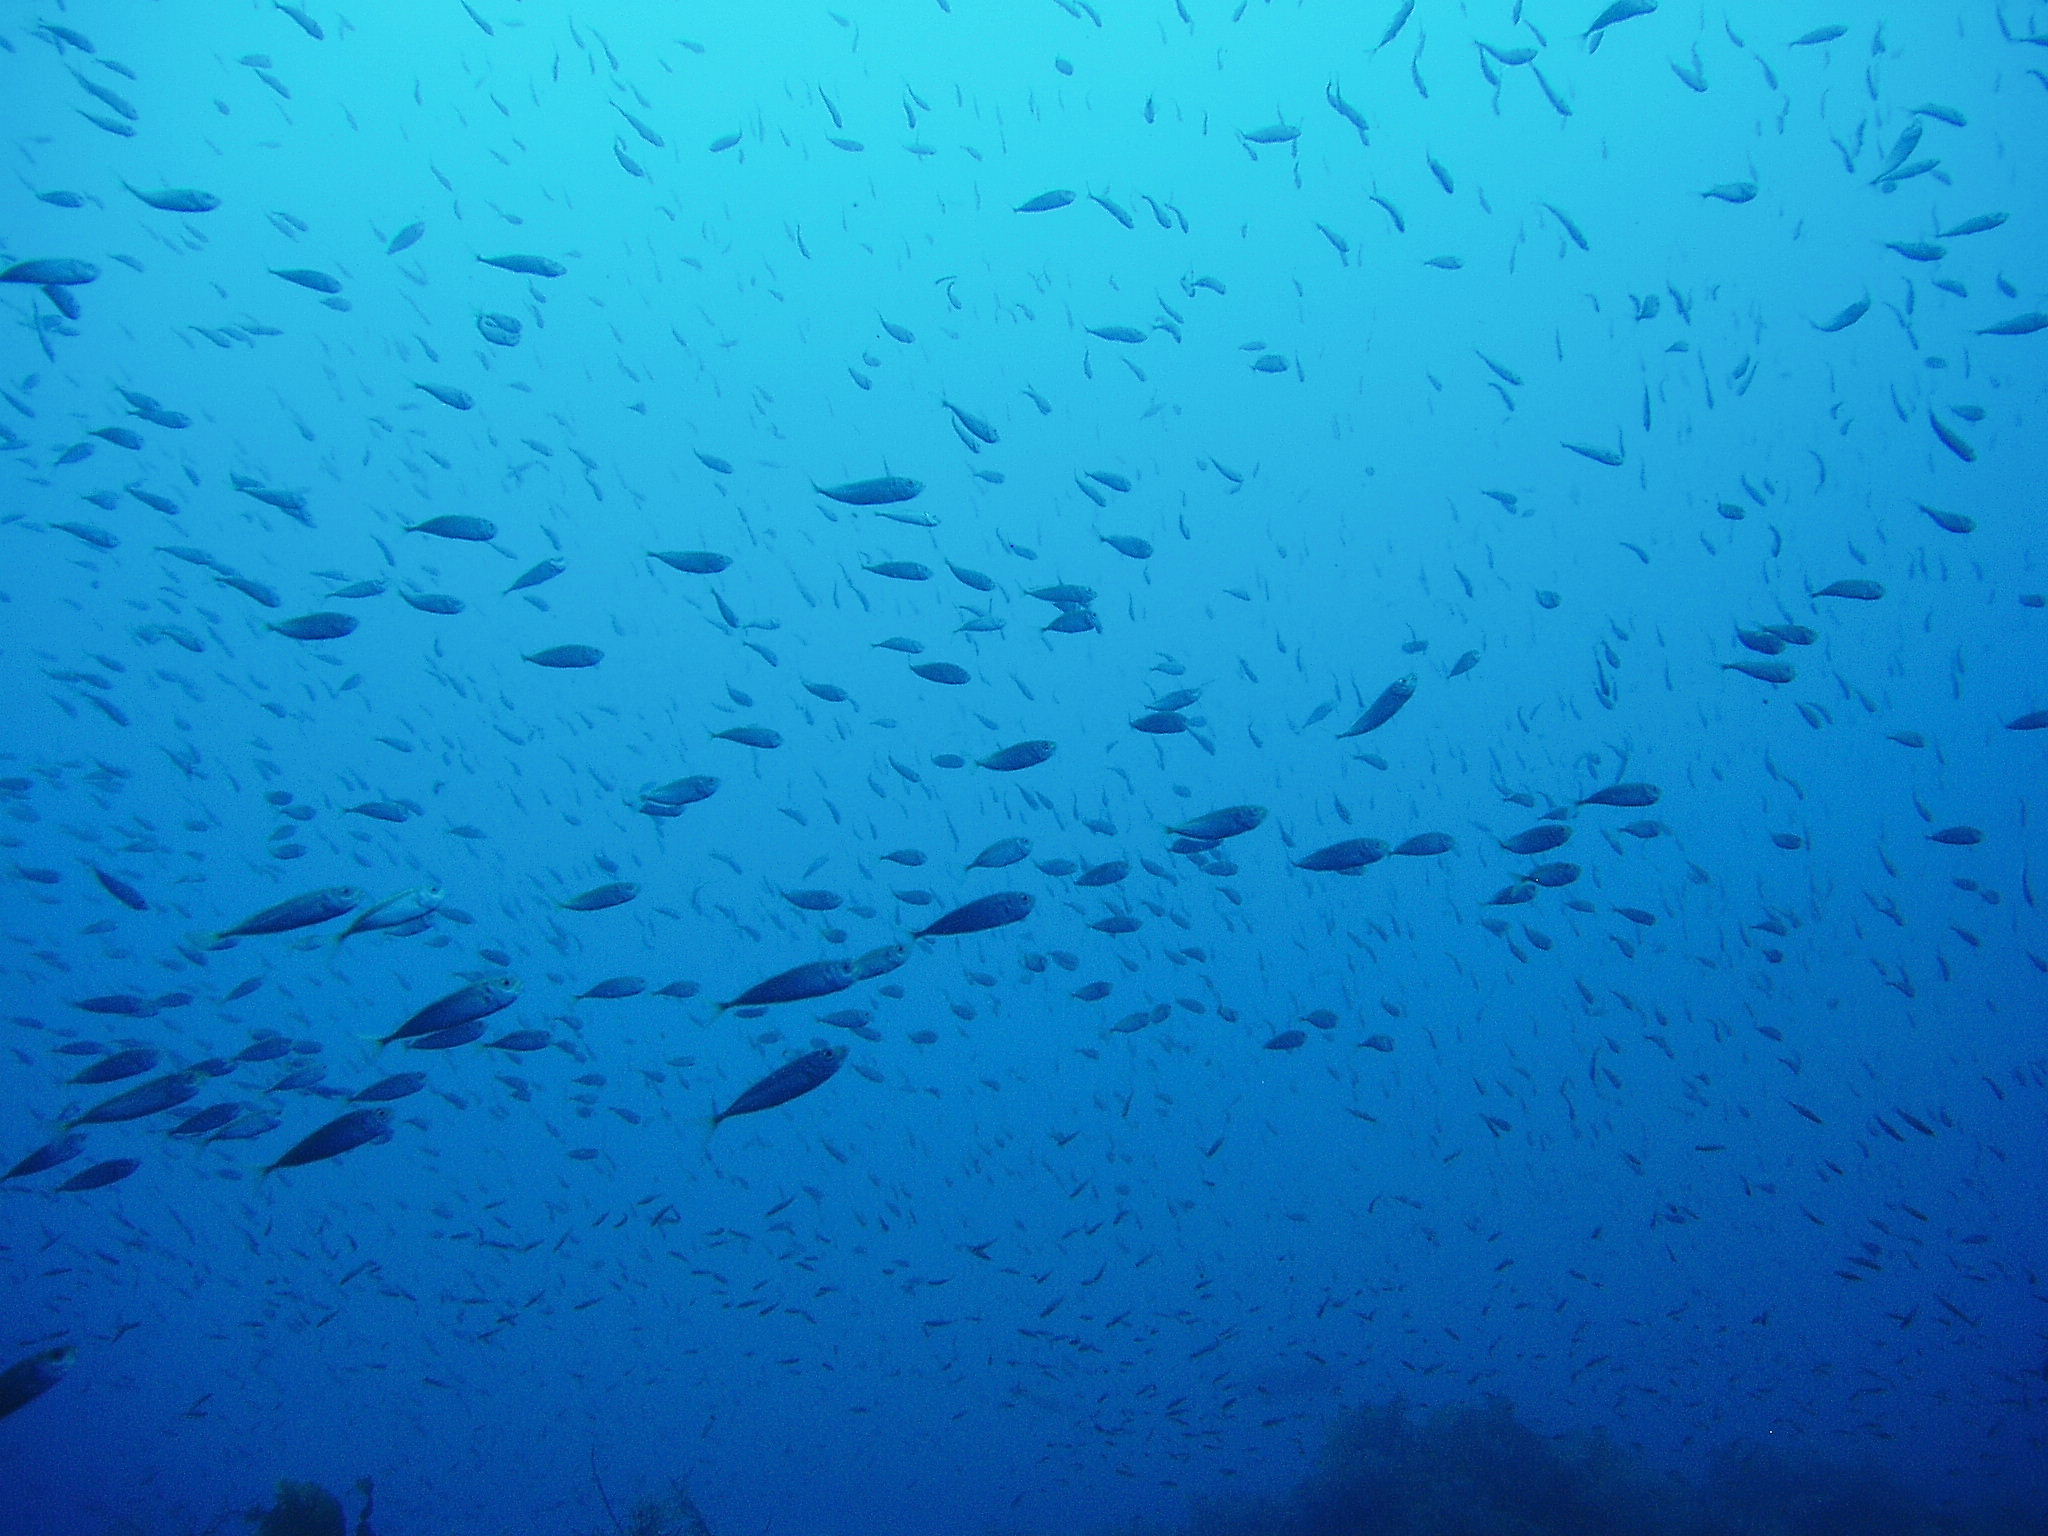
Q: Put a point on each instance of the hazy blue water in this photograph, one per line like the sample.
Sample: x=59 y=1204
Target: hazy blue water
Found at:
x=1039 y=1272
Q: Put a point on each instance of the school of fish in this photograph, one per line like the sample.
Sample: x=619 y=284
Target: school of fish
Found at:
x=1238 y=707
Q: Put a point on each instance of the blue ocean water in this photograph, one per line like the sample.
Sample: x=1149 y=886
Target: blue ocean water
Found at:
x=1517 y=1004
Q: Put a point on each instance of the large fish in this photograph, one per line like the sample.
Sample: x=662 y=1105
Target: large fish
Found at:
x=357 y=1128
x=465 y=1005
x=791 y=1080
x=980 y=915
x=885 y=490
x=26 y=1380
x=299 y=912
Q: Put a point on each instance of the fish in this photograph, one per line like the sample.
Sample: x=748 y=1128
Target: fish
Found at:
x=344 y=1133
x=478 y=1000
x=1342 y=858
x=598 y=898
x=814 y=978
x=395 y=912
x=100 y=1175
x=151 y=1098
x=1982 y=223
x=1619 y=11
x=525 y=265
x=2019 y=325
x=1382 y=709
x=1774 y=672
x=1215 y=826
x=1844 y=317
x=1538 y=839
x=1393 y=28
x=1002 y=853
x=1630 y=795
x=1024 y=754
x=1046 y=202
x=692 y=562
x=30 y=1377
x=523 y=1041
x=678 y=793
x=885 y=490
x=50 y=1155
x=309 y=277
x=980 y=915
x=248 y=1126
x=177 y=199
x=566 y=658
x=111 y=1069
x=316 y=626
x=307 y=910
x=792 y=1080
x=1425 y=845
x=120 y=890
x=51 y=272
x=462 y=526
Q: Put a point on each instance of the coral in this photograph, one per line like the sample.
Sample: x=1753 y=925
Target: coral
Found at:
x=303 y=1509
x=674 y=1513
x=1478 y=1470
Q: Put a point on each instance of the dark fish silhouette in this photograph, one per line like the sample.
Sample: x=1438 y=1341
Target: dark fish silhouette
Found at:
x=792 y=1080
